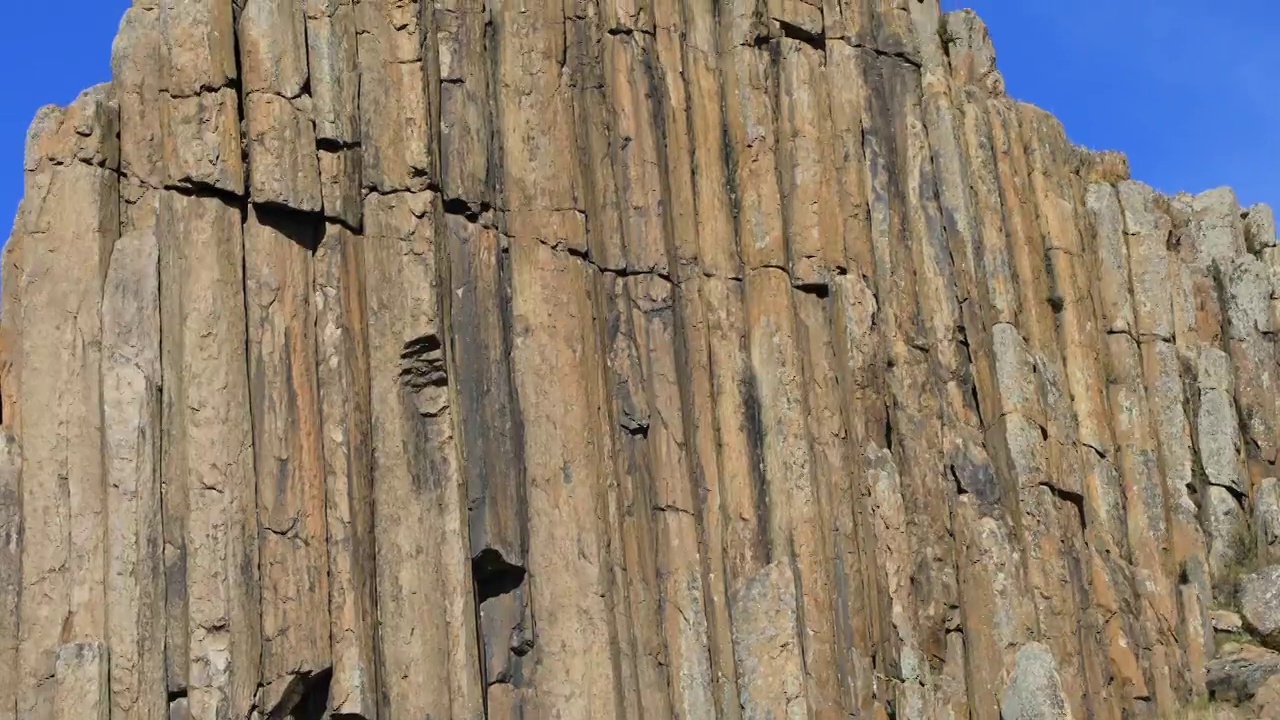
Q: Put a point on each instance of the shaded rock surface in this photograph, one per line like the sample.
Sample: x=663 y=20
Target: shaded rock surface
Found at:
x=425 y=359
x=1246 y=677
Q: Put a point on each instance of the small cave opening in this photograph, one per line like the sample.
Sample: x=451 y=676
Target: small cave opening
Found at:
x=493 y=575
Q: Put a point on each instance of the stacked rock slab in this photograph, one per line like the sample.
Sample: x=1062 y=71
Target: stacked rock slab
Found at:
x=404 y=359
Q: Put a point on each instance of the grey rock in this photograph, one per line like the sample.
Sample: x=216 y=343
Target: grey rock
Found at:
x=1035 y=691
x=1266 y=520
x=1241 y=673
x=1260 y=604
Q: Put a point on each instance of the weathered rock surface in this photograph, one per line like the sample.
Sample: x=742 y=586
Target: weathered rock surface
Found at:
x=1260 y=604
x=1248 y=677
x=426 y=359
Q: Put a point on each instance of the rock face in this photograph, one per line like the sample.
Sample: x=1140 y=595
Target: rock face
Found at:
x=1260 y=604
x=1249 y=677
x=425 y=359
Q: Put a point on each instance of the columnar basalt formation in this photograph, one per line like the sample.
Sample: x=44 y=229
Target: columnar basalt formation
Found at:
x=751 y=360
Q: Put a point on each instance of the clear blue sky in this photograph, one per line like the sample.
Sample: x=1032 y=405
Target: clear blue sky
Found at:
x=1189 y=89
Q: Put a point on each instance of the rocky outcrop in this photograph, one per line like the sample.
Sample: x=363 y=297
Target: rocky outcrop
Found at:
x=1260 y=604
x=1246 y=677
x=404 y=359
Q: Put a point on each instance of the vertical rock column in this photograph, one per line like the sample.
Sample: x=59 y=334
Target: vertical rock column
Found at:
x=476 y=302
x=131 y=416
x=203 y=336
x=426 y=624
x=1136 y=445
x=558 y=370
x=208 y=449
x=342 y=356
x=66 y=226
x=1209 y=237
x=281 y=230
x=136 y=69
x=1147 y=231
x=10 y=563
x=999 y=376
x=145 y=603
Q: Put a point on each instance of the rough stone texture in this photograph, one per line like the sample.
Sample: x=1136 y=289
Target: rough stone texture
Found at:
x=1245 y=676
x=388 y=359
x=1266 y=520
x=1035 y=690
x=1260 y=604
x=131 y=432
x=1226 y=621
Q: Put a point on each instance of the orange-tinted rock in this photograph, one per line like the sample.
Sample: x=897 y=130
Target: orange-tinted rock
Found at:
x=617 y=359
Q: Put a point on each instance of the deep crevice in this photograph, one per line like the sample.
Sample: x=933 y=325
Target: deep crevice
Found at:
x=955 y=478
x=334 y=145
x=204 y=190
x=818 y=289
x=471 y=211
x=306 y=698
x=494 y=576
x=815 y=40
x=634 y=427
x=303 y=228
x=1067 y=496
x=422 y=363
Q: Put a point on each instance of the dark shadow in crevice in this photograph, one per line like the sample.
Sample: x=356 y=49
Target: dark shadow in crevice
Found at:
x=1074 y=498
x=306 y=698
x=815 y=40
x=819 y=290
x=422 y=363
x=494 y=576
x=303 y=228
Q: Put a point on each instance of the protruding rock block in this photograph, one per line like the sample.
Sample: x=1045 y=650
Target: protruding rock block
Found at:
x=1260 y=604
x=202 y=141
x=283 y=167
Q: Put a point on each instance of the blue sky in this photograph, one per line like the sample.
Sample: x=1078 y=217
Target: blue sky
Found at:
x=50 y=51
x=1187 y=88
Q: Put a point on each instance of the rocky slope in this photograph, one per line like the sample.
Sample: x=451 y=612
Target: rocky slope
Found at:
x=410 y=359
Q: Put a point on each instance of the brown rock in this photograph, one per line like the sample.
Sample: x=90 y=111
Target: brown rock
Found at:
x=1226 y=621
x=283 y=167
x=619 y=359
x=10 y=567
x=202 y=141
x=288 y=458
x=342 y=358
x=65 y=228
x=201 y=274
x=80 y=674
x=131 y=416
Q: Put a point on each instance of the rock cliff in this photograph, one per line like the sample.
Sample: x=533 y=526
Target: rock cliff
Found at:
x=643 y=359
